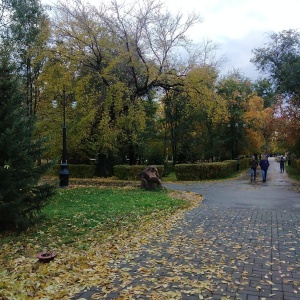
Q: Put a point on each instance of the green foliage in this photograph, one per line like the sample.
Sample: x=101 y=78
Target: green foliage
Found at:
x=20 y=195
x=154 y=154
x=233 y=165
x=168 y=168
x=280 y=60
x=126 y=172
x=294 y=169
x=187 y=171
x=28 y=33
x=296 y=165
x=205 y=171
x=264 y=89
x=244 y=163
x=76 y=171
x=237 y=90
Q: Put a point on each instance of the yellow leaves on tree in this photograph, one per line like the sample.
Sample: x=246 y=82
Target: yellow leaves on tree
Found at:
x=254 y=118
x=200 y=87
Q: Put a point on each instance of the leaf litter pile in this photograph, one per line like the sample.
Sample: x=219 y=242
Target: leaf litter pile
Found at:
x=189 y=253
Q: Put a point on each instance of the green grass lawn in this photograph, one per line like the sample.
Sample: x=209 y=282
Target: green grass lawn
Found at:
x=74 y=214
x=293 y=173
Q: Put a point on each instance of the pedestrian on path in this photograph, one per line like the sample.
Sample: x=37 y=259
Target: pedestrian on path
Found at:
x=281 y=162
x=264 y=165
x=253 y=166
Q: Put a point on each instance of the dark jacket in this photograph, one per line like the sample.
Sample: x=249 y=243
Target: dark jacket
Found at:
x=253 y=164
x=264 y=164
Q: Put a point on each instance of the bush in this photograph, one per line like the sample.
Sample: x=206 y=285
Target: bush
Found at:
x=232 y=165
x=126 y=172
x=205 y=171
x=244 y=163
x=168 y=168
x=296 y=165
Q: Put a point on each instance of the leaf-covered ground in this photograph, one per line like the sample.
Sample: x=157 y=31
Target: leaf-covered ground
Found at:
x=74 y=268
x=204 y=253
x=213 y=253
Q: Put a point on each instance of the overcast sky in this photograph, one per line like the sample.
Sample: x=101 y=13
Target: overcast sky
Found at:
x=239 y=25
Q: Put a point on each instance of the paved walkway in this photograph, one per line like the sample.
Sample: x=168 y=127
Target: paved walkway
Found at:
x=243 y=242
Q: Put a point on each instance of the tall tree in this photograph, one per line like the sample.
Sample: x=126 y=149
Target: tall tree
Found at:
x=28 y=33
x=206 y=108
x=255 y=118
x=191 y=115
x=280 y=59
x=21 y=197
x=235 y=89
x=121 y=45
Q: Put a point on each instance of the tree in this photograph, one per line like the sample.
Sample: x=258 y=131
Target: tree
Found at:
x=254 y=117
x=191 y=115
x=206 y=109
x=264 y=89
x=280 y=59
x=235 y=89
x=21 y=197
x=287 y=122
x=131 y=45
x=28 y=34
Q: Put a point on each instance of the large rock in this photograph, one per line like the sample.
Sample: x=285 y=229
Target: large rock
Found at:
x=150 y=178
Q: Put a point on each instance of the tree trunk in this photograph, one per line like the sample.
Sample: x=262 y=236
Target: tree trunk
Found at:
x=101 y=165
x=132 y=159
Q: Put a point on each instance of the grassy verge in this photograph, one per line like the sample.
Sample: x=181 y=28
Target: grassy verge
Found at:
x=293 y=173
x=88 y=228
x=75 y=214
x=172 y=177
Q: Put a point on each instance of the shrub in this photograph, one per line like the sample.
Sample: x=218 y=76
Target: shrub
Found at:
x=244 y=163
x=126 y=172
x=296 y=165
x=168 y=168
x=205 y=171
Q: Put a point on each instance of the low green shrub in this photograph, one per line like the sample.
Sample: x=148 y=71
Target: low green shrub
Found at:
x=205 y=171
x=127 y=172
x=244 y=163
x=296 y=165
x=232 y=165
x=168 y=168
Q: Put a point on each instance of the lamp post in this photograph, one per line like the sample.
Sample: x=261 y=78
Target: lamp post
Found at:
x=64 y=171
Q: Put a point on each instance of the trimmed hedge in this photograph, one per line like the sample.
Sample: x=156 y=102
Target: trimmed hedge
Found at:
x=76 y=171
x=244 y=163
x=205 y=171
x=126 y=172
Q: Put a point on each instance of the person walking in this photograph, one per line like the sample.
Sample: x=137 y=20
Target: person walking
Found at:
x=281 y=162
x=253 y=166
x=264 y=165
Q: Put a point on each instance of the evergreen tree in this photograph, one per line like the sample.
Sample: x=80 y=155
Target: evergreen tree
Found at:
x=21 y=197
